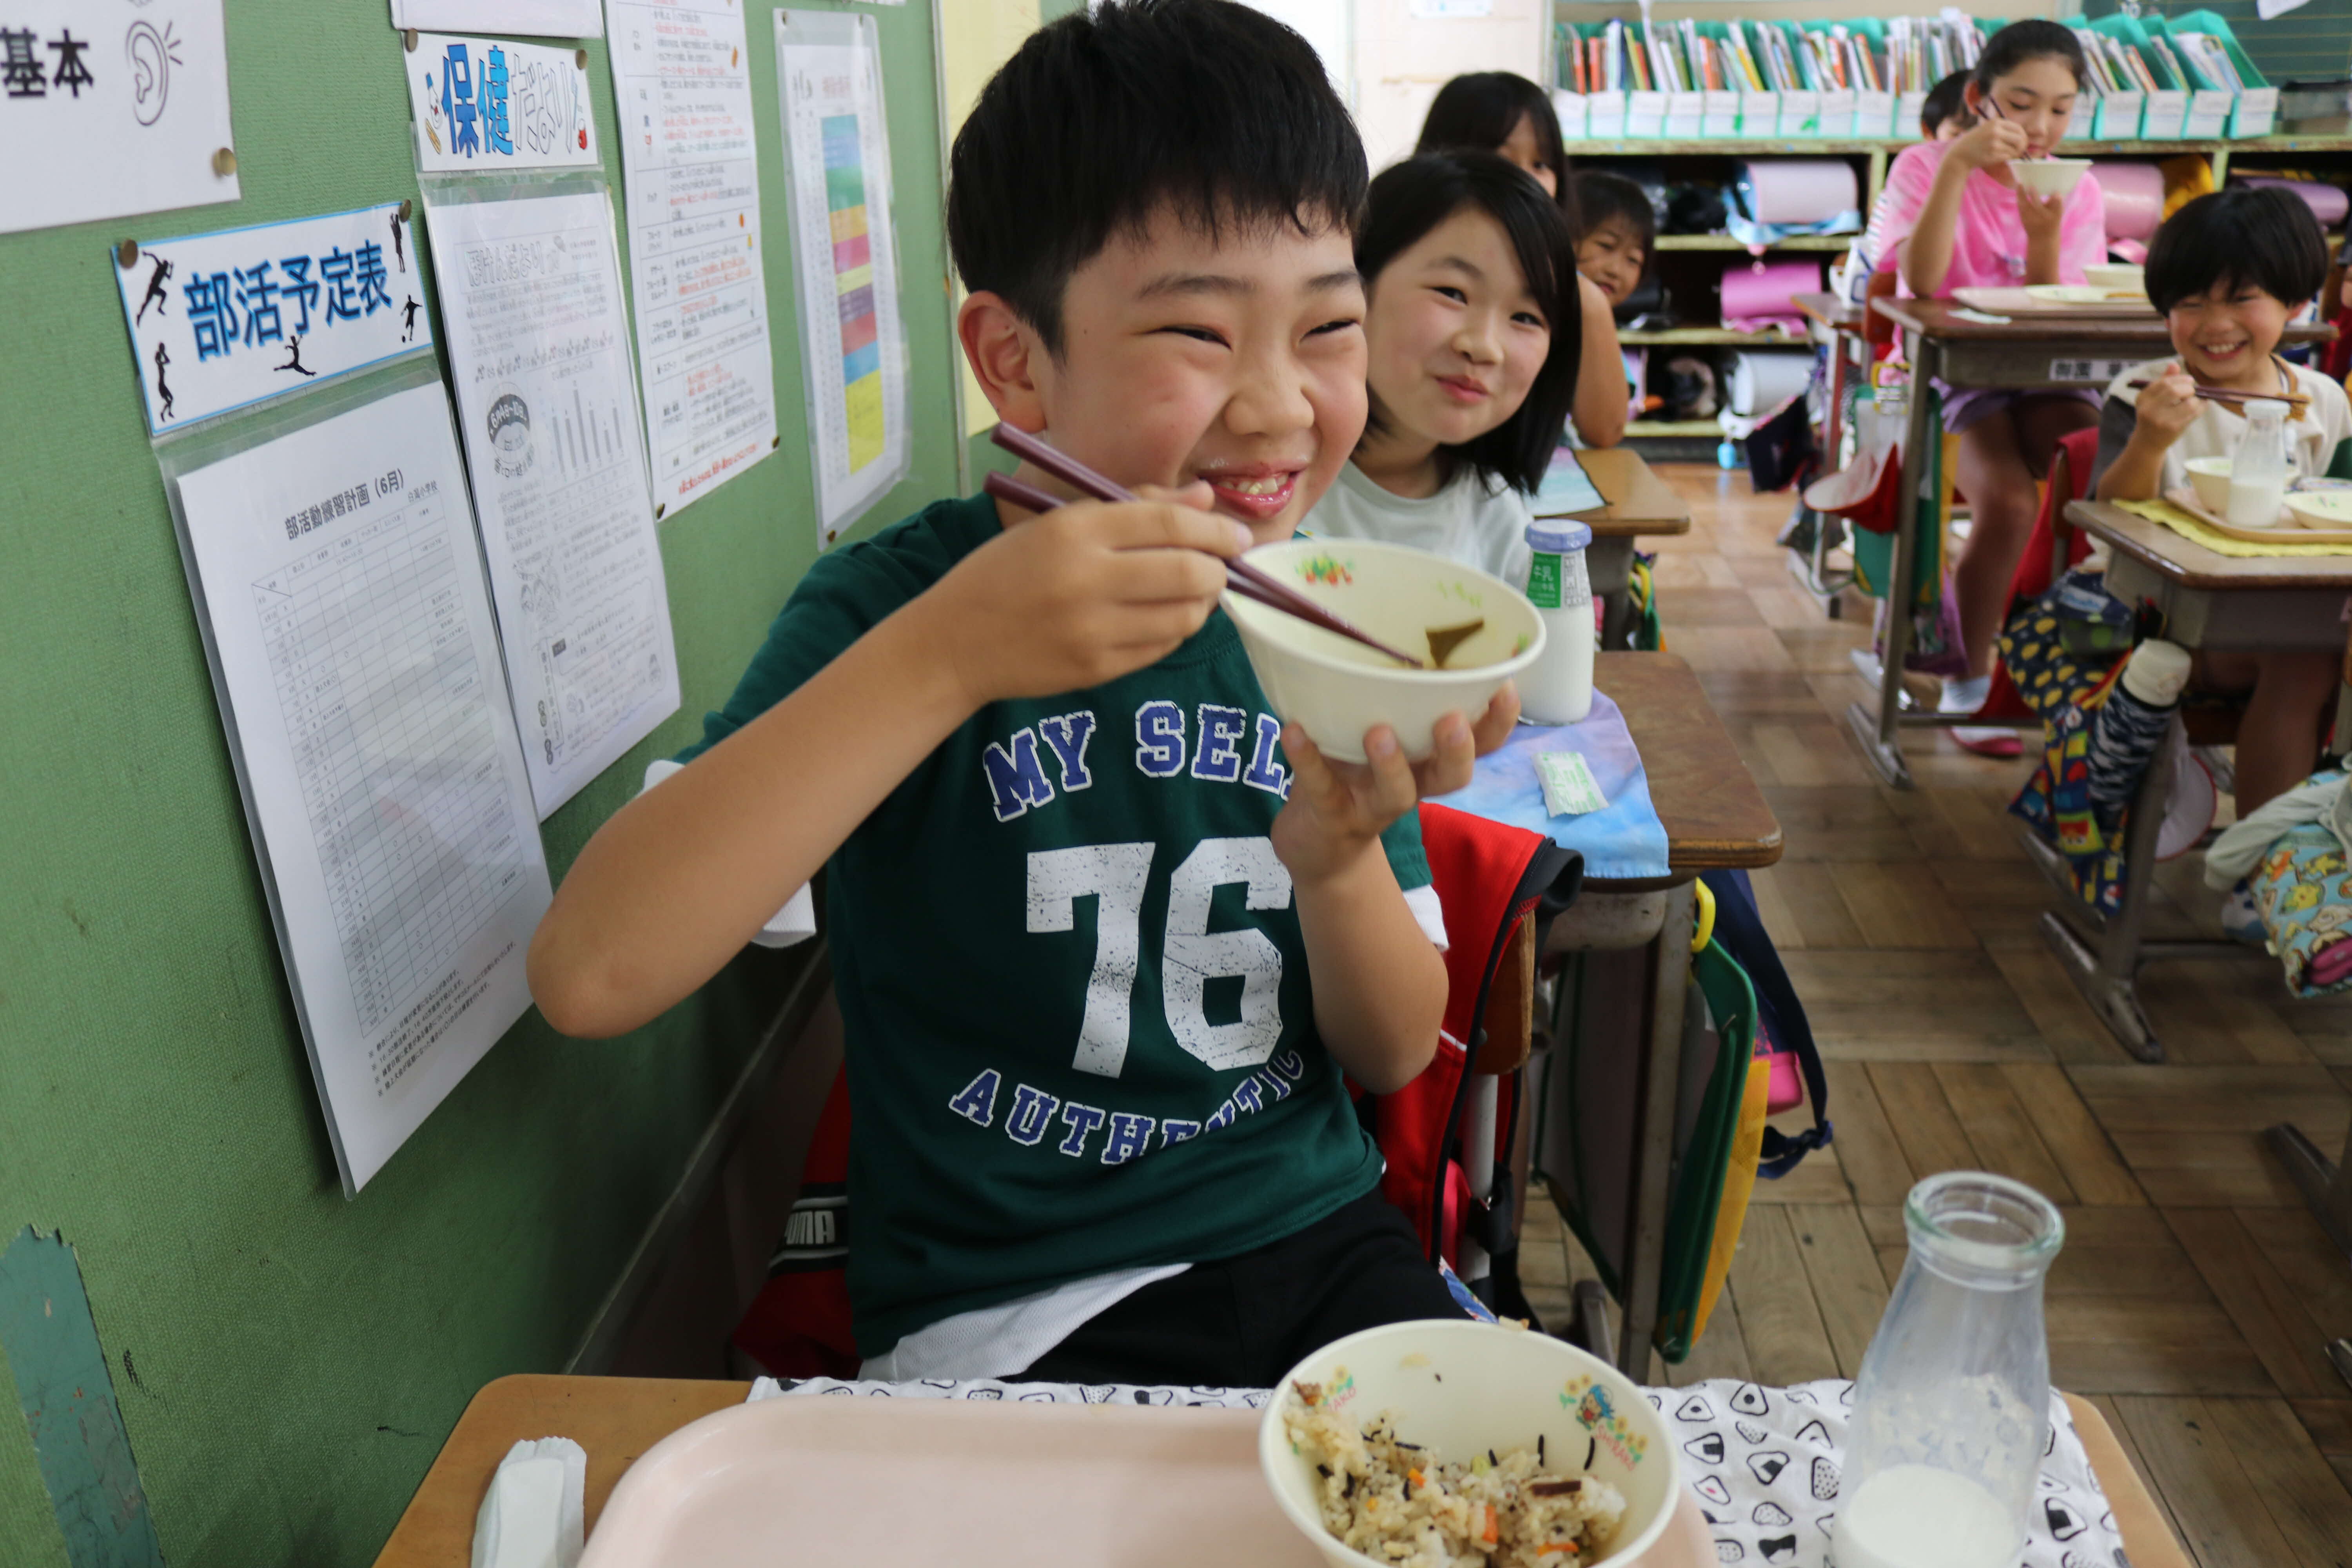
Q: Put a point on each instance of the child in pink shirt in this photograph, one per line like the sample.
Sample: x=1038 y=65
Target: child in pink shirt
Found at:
x=1958 y=219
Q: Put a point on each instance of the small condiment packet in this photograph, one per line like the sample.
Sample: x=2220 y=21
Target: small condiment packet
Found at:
x=532 y=1515
x=1568 y=786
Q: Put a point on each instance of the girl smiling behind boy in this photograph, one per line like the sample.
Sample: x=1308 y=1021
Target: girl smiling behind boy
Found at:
x=1498 y=112
x=1960 y=220
x=2228 y=269
x=1474 y=337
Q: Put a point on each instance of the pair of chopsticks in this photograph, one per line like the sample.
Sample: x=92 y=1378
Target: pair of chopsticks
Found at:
x=1241 y=577
x=2297 y=401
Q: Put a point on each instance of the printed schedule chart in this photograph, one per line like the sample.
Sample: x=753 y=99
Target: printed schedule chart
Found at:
x=378 y=682
x=355 y=659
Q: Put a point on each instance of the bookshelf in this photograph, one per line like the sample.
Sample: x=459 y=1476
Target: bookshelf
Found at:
x=1690 y=263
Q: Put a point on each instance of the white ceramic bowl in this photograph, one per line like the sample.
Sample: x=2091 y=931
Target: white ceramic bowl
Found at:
x=1461 y=1388
x=1339 y=689
x=2321 y=509
x=2210 y=478
x=2049 y=177
x=2117 y=277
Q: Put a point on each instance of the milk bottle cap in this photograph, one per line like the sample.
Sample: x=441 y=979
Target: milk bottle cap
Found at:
x=1557 y=535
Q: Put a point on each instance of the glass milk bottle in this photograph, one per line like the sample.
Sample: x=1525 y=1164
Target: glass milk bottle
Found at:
x=1558 y=688
x=2258 y=473
x=1951 y=1413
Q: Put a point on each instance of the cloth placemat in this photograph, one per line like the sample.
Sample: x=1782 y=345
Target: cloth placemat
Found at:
x=1764 y=1463
x=1623 y=841
x=2214 y=539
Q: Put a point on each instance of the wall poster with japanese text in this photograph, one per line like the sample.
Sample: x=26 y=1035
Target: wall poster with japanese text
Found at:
x=533 y=18
x=538 y=354
x=330 y=550
x=220 y=320
x=696 y=261
x=106 y=110
x=845 y=251
x=491 y=103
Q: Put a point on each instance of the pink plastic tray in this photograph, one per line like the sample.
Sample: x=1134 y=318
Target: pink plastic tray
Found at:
x=851 y=1480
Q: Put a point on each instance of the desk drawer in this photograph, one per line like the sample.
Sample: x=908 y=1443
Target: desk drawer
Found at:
x=2278 y=620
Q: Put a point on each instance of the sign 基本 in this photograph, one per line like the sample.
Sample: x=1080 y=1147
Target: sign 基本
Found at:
x=110 y=109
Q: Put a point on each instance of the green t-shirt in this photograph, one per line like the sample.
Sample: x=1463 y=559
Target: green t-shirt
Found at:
x=1079 y=1026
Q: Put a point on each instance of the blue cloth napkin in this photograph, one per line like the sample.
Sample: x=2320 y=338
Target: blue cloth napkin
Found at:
x=1623 y=841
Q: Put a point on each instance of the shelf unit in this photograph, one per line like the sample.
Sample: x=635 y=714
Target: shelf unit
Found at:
x=1686 y=260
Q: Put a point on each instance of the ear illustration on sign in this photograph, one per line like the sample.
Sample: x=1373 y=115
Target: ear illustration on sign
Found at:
x=151 y=56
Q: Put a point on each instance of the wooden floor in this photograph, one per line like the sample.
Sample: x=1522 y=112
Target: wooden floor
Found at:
x=2195 y=1293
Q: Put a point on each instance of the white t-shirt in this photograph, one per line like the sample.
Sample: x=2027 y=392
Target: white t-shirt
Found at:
x=1463 y=522
x=2311 y=441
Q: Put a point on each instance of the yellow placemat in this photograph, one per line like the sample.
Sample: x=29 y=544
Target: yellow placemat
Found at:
x=2214 y=539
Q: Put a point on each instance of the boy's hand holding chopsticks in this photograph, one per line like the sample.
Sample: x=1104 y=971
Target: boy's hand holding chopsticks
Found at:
x=2169 y=405
x=1085 y=594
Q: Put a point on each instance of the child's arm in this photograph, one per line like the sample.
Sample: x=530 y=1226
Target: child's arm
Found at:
x=1928 y=247
x=1601 y=399
x=2042 y=218
x=2167 y=405
x=1379 y=986
x=677 y=882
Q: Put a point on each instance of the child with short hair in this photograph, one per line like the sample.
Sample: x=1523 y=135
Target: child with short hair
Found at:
x=1621 y=230
x=2229 y=270
x=1507 y=114
x=1944 y=113
x=1958 y=218
x=1472 y=332
x=1105 y=934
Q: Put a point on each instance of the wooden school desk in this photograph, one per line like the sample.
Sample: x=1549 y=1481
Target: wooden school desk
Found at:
x=2045 y=352
x=616 y=1419
x=2280 y=603
x=1639 y=502
x=1715 y=818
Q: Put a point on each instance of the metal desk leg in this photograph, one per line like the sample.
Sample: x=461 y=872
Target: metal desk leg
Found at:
x=1609 y=567
x=1879 y=733
x=2327 y=1184
x=2102 y=958
x=1661 y=1081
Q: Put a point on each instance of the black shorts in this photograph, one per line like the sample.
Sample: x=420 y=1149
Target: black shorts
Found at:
x=1242 y=1322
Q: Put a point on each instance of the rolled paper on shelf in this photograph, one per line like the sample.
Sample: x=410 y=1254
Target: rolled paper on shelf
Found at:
x=1759 y=294
x=1761 y=379
x=2135 y=197
x=2329 y=203
x=1798 y=190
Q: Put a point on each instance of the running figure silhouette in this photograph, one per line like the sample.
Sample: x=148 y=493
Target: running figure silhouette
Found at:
x=294 y=356
x=399 y=252
x=161 y=390
x=408 y=320
x=155 y=295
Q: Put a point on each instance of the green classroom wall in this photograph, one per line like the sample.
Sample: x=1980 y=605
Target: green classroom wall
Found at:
x=300 y=1358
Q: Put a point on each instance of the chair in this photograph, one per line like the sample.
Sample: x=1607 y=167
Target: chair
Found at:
x=2102 y=954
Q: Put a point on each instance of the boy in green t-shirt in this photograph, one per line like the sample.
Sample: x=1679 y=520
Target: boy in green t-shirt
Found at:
x=1079 y=875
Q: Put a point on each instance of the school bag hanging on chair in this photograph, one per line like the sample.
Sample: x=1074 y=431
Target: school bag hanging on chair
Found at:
x=1722 y=1145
